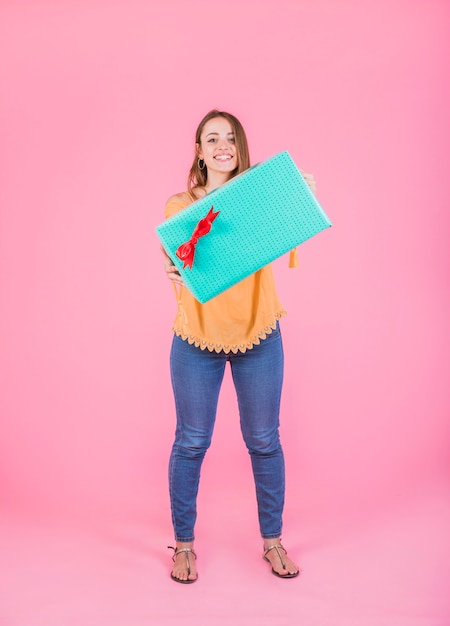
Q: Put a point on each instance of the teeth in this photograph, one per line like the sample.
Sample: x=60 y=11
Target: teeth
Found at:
x=225 y=157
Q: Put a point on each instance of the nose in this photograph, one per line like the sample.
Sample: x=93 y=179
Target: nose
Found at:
x=224 y=142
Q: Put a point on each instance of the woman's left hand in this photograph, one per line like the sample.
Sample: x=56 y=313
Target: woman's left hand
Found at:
x=309 y=180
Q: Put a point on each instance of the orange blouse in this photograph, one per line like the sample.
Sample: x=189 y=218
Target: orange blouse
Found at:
x=236 y=319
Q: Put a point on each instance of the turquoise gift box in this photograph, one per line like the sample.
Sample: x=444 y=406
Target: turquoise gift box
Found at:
x=261 y=214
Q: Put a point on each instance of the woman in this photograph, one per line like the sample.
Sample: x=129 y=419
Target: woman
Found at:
x=239 y=326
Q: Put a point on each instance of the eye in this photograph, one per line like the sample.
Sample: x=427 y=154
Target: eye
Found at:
x=232 y=139
x=212 y=140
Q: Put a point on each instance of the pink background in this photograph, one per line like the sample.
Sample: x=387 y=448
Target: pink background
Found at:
x=99 y=104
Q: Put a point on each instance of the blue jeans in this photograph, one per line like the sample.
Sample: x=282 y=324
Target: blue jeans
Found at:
x=196 y=379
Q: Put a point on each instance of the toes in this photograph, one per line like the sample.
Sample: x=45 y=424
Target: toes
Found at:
x=289 y=569
x=183 y=575
x=180 y=572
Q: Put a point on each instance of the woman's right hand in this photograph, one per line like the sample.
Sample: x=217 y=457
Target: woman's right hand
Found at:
x=171 y=270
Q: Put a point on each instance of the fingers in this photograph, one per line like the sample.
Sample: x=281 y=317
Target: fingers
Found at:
x=175 y=278
x=172 y=272
x=309 y=180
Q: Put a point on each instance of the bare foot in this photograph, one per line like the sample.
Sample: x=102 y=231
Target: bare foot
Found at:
x=281 y=564
x=184 y=569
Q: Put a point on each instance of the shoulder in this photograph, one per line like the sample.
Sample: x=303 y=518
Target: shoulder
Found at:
x=180 y=197
x=177 y=202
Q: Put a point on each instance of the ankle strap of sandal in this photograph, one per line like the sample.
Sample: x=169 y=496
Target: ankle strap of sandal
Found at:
x=177 y=551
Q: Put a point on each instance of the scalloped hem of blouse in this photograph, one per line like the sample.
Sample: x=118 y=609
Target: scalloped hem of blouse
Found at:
x=227 y=348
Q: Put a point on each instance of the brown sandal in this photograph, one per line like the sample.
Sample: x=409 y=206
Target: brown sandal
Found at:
x=176 y=552
x=280 y=556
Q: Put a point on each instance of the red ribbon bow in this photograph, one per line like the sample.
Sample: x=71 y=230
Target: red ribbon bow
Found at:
x=187 y=250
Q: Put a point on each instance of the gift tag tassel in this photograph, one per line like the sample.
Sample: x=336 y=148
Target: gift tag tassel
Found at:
x=293 y=258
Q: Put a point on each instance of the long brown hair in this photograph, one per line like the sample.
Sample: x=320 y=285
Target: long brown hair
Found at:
x=198 y=177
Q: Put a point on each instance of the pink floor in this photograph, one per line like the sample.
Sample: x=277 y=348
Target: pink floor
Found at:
x=391 y=569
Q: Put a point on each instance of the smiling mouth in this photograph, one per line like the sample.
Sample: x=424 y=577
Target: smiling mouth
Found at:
x=223 y=157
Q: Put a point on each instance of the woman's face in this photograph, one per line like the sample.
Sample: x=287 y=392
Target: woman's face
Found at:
x=217 y=146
